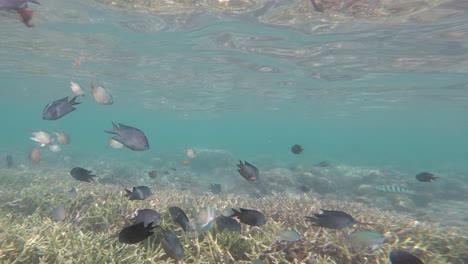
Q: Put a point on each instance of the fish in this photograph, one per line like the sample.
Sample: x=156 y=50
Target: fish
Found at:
x=136 y=233
x=9 y=161
x=42 y=138
x=225 y=223
x=398 y=256
x=147 y=216
x=115 y=144
x=172 y=246
x=20 y=6
x=317 y=4
x=186 y=162
x=101 y=95
x=249 y=217
x=248 y=171
x=365 y=238
x=289 y=235
x=393 y=189
x=215 y=188
x=139 y=193
x=331 y=219
x=204 y=219
x=322 y=164
x=35 y=155
x=179 y=216
x=63 y=138
x=59 y=108
x=76 y=88
x=59 y=213
x=132 y=138
x=55 y=148
x=297 y=149
x=72 y=193
x=190 y=153
x=153 y=174
x=426 y=177
x=81 y=174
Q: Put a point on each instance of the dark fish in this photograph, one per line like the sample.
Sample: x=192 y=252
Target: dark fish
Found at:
x=331 y=219
x=426 y=177
x=248 y=171
x=139 y=193
x=136 y=233
x=322 y=164
x=215 y=188
x=59 y=108
x=179 y=216
x=398 y=256
x=297 y=149
x=81 y=174
x=227 y=223
x=20 y=6
x=249 y=217
x=132 y=138
x=172 y=246
x=9 y=161
x=147 y=216
x=153 y=174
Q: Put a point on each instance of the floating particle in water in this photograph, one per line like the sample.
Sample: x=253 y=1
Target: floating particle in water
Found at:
x=81 y=174
x=35 y=155
x=101 y=95
x=42 y=138
x=426 y=177
x=215 y=188
x=138 y=193
x=248 y=171
x=133 y=138
x=172 y=246
x=63 y=138
x=186 y=162
x=364 y=238
x=297 y=149
x=393 y=189
x=331 y=219
x=147 y=216
x=225 y=223
x=289 y=235
x=59 y=108
x=76 y=88
x=249 y=217
x=179 y=216
x=190 y=153
x=136 y=233
x=398 y=256
x=60 y=213
x=9 y=161
x=153 y=174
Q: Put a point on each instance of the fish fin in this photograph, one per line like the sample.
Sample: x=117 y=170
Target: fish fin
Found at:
x=236 y=213
x=310 y=219
x=114 y=131
x=240 y=165
x=26 y=15
x=34 y=1
x=128 y=193
x=72 y=101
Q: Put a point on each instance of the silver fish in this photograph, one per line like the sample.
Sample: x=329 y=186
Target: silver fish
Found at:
x=393 y=189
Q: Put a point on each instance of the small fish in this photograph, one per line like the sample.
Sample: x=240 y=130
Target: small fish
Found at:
x=249 y=217
x=59 y=108
x=190 y=153
x=179 y=216
x=76 y=88
x=153 y=174
x=62 y=138
x=393 y=189
x=398 y=256
x=147 y=216
x=362 y=239
x=331 y=219
x=55 y=148
x=60 y=213
x=42 y=138
x=9 y=161
x=20 y=6
x=225 y=223
x=297 y=149
x=101 y=95
x=186 y=162
x=139 y=193
x=172 y=246
x=132 y=138
x=322 y=164
x=426 y=177
x=115 y=144
x=81 y=174
x=289 y=235
x=136 y=233
x=204 y=219
x=72 y=193
x=35 y=155
x=248 y=171
x=215 y=188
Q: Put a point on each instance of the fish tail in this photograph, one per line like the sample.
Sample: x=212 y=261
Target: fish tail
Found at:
x=128 y=193
x=26 y=16
x=115 y=129
x=310 y=219
x=236 y=213
x=72 y=101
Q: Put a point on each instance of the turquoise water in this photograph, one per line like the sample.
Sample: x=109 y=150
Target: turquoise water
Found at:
x=363 y=92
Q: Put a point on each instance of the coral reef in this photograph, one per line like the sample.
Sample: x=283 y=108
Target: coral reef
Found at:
x=99 y=211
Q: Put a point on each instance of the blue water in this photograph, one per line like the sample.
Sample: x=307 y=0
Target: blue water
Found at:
x=363 y=92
